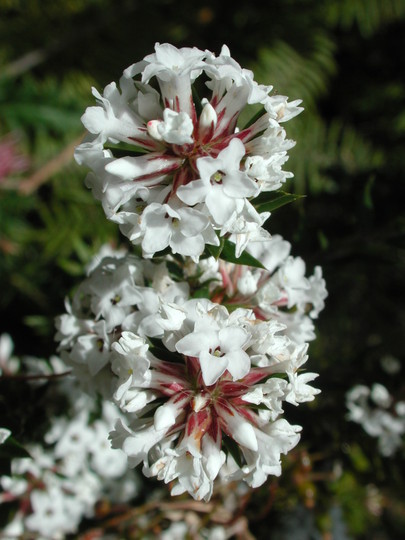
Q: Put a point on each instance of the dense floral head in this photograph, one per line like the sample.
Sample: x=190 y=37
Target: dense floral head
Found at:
x=176 y=171
x=202 y=384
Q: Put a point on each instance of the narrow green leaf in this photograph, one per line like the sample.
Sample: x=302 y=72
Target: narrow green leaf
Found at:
x=269 y=202
x=367 y=194
x=159 y=350
x=11 y=448
x=125 y=149
x=359 y=459
x=202 y=292
x=72 y=268
x=323 y=240
x=175 y=270
x=153 y=406
x=255 y=117
x=216 y=251
x=233 y=449
x=228 y=254
x=39 y=114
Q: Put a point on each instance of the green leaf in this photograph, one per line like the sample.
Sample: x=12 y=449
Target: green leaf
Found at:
x=233 y=449
x=255 y=117
x=11 y=448
x=163 y=253
x=226 y=251
x=72 y=268
x=228 y=254
x=268 y=203
x=124 y=150
x=216 y=251
x=7 y=509
x=323 y=240
x=159 y=350
x=175 y=270
x=367 y=195
x=359 y=459
x=45 y=115
x=202 y=292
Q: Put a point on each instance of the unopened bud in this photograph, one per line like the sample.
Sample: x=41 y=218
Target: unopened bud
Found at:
x=152 y=127
x=208 y=119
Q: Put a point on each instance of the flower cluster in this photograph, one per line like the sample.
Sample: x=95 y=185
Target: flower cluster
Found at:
x=60 y=484
x=379 y=415
x=175 y=171
x=198 y=352
x=202 y=383
x=279 y=290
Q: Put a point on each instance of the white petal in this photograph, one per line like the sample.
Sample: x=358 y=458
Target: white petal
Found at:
x=4 y=435
x=244 y=434
x=164 y=417
x=232 y=154
x=194 y=343
x=194 y=192
x=212 y=367
x=130 y=168
x=220 y=206
x=94 y=119
x=189 y=247
x=232 y=338
x=215 y=457
x=238 y=364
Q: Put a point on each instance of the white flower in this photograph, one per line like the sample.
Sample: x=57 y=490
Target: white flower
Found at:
x=189 y=373
x=113 y=118
x=176 y=128
x=106 y=461
x=380 y=395
x=222 y=184
x=390 y=364
x=75 y=442
x=203 y=160
x=218 y=350
x=130 y=364
x=52 y=512
x=8 y=363
x=369 y=408
x=206 y=381
x=185 y=230
x=4 y=435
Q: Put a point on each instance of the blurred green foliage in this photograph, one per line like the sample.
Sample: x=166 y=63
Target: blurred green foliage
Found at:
x=345 y=59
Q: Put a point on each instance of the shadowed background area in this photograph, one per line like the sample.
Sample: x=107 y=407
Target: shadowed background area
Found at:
x=344 y=59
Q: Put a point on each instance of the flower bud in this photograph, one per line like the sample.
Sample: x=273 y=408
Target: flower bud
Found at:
x=208 y=120
x=152 y=127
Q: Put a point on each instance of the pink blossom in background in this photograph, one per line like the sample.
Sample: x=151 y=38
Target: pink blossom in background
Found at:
x=11 y=160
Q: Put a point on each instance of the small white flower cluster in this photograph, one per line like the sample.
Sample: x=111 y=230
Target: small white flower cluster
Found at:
x=180 y=530
x=202 y=384
x=280 y=290
x=175 y=172
x=378 y=414
x=61 y=483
